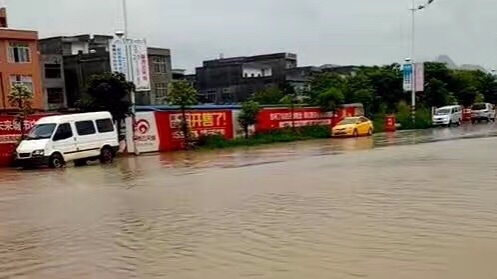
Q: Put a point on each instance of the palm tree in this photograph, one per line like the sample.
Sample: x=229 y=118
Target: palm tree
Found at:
x=21 y=97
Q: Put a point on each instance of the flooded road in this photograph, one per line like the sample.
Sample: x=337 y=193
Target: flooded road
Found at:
x=382 y=207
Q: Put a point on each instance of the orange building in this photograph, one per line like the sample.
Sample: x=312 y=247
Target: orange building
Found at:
x=19 y=63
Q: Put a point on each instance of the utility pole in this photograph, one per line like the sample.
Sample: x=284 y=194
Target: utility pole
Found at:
x=130 y=74
x=413 y=10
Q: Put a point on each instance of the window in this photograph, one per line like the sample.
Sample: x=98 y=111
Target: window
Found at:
x=55 y=96
x=85 y=128
x=19 y=53
x=22 y=80
x=41 y=131
x=105 y=125
x=64 y=131
x=53 y=71
x=160 y=89
x=159 y=64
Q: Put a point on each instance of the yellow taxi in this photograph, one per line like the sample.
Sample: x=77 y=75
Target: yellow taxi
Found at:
x=353 y=127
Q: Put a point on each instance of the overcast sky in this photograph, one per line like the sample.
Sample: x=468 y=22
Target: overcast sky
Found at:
x=319 y=31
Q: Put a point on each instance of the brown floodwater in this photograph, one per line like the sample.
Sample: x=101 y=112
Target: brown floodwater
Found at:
x=323 y=209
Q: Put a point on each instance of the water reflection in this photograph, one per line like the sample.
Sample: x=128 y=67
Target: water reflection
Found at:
x=320 y=209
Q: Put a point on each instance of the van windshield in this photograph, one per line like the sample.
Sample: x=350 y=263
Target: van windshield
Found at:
x=41 y=131
x=443 y=111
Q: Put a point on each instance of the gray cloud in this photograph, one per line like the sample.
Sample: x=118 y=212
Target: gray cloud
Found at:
x=319 y=31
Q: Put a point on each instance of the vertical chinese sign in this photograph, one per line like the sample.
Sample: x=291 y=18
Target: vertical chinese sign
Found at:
x=139 y=55
x=419 y=83
x=407 y=70
x=118 y=59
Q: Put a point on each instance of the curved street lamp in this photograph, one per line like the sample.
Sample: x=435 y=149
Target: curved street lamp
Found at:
x=413 y=10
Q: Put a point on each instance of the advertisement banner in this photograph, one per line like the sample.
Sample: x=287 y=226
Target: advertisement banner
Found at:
x=139 y=58
x=118 y=61
x=419 y=84
x=272 y=119
x=407 y=71
x=146 y=135
x=10 y=133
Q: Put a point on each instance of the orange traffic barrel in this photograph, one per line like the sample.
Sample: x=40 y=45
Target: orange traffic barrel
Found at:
x=390 y=123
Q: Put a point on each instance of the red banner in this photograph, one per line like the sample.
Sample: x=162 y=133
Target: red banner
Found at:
x=10 y=133
x=199 y=122
x=277 y=118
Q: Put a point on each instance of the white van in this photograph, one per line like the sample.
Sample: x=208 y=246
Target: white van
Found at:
x=482 y=112
x=447 y=116
x=55 y=140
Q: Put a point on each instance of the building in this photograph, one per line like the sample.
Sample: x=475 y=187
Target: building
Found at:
x=79 y=57
x=233 y=80
x=19 y=63
x=161 y=74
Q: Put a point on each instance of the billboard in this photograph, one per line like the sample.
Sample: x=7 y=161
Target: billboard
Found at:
x=139 y=58
x=118 y=61
x=138 y=71
x=419 y=77
x=407 y=71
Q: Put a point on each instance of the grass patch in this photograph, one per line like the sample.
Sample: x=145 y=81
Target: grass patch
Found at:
x=276 y=136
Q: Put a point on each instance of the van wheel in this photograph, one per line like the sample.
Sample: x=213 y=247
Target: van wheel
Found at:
x=56 y=161
x=106 y=155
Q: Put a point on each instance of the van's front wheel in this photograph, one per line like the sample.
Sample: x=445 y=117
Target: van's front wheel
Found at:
x=56 y=161
x=106 y=155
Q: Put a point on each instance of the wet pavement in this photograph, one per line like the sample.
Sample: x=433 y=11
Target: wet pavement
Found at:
x=382 y=207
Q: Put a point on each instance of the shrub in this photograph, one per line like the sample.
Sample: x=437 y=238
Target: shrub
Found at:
x=423 y=118
x=266 y=137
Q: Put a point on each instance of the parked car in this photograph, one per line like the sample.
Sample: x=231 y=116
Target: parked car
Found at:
x=56 y=140
x=353 y=127
x=482 y=112
x=447 y=116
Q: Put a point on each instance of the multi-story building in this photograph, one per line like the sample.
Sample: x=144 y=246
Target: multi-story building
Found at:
x=19 y=63
x=161 y=74
x=233 y=80
x=83 y=56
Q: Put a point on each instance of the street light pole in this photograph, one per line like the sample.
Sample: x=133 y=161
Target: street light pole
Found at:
x=413 y=43
x=413 y=10
x=130 y=73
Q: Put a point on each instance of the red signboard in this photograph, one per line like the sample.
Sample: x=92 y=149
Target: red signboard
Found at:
x=10 y=133
x=199 y=122
x=277 y=118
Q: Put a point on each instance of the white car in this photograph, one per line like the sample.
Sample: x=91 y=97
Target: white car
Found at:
x=55 y=140
x=482 y=112
x=447 y=116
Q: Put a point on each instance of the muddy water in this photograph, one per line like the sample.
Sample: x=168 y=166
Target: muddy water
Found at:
x=312 y=210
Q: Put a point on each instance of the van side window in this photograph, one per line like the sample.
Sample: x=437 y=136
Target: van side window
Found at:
x=104 y=125
x=85 y=128
x=63 y=132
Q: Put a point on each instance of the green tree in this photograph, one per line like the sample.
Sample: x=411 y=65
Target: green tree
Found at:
x=330 y=99
x=321 y=83
x=108 y=92
x=248 y=116
x=479 y=98
x=21 y=97
x=436 y=93
x=269 y=96
x=386 y=82
x=365 y=97
x=183 y=95
x=467 y=96
x=291 y=99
